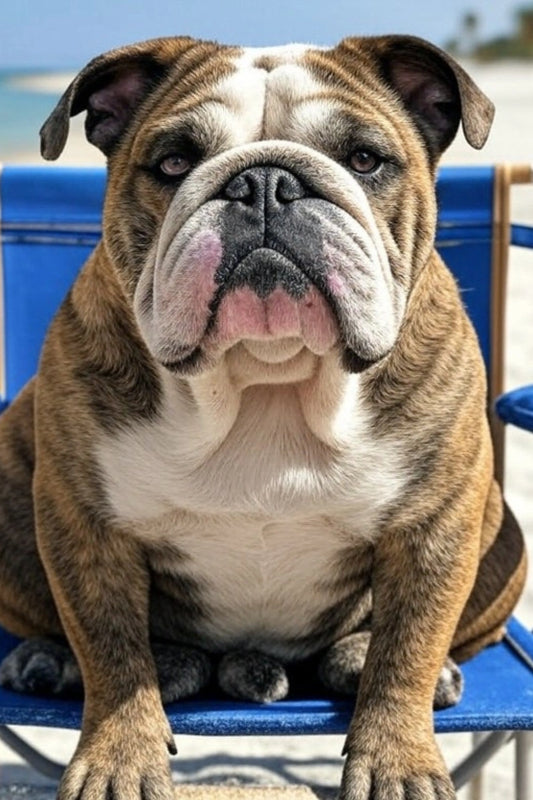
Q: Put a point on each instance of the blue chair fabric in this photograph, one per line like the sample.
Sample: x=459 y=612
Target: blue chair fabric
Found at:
x=50 y=222
x=516 y=407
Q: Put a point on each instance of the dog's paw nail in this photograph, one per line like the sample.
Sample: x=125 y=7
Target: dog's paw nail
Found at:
x=171 y=747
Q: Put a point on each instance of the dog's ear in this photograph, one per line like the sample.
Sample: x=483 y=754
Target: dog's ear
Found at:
x=110 y=88
x=436 y=91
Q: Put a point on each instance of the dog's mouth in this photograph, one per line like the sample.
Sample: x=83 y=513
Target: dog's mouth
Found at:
x=268 y=304
x=266 y=298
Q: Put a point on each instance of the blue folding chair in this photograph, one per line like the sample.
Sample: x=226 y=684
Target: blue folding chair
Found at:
x=50 y=221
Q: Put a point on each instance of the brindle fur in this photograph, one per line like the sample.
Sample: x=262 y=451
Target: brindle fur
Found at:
x=82 y=575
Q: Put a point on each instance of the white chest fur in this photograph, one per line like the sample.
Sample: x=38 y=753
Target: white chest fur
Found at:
x=263 y=517
x=263 y=583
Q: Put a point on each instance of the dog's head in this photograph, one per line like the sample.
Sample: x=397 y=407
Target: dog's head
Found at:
x=277 y=200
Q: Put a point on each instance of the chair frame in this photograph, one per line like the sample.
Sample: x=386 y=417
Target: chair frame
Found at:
x=486 y=745
x=506 y=176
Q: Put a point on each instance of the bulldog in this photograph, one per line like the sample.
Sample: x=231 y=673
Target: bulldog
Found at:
x=258 y=433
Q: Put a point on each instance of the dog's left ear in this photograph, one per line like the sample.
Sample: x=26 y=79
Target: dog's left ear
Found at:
x=110 y=88
x=436 y=91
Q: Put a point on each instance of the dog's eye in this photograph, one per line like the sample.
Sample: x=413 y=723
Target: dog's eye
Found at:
x=365 y=162
x=175 y=165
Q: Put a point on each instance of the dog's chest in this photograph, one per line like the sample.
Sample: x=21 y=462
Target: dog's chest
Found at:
x=261 y=526
x=260 y=584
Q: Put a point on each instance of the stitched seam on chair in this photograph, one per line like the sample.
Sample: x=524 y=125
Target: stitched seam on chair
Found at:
x=36 y=226
x=87 y=241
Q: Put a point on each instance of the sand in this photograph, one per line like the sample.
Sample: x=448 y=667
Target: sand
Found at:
x=316 y=760
x=44 y=83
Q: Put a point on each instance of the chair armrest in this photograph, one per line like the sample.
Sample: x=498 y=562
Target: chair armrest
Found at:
x=517 y=407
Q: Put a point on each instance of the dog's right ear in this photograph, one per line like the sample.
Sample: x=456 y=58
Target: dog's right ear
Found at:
x=111 y=88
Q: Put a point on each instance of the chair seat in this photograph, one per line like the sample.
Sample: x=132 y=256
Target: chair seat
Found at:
x=498 y=696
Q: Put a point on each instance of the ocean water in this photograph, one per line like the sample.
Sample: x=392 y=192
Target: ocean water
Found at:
x=22 y=112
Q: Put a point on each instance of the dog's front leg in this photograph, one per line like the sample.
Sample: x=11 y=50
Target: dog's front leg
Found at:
x=422 y=578
x=100 y=583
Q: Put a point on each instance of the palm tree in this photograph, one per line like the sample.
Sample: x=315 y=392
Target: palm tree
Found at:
x=469 y=32
x=525 y=24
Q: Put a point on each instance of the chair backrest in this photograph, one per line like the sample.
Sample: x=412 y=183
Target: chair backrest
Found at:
x=50 y=221
x=474 y=234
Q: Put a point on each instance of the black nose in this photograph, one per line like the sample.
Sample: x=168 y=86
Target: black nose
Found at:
x=265 y=186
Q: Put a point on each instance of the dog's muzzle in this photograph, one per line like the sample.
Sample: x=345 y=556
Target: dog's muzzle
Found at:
x=269 y=283
x=267 y=256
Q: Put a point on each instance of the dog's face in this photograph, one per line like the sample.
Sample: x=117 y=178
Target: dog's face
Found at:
x=272 y=203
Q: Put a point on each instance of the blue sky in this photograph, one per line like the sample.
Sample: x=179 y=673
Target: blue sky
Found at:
x=66 y=33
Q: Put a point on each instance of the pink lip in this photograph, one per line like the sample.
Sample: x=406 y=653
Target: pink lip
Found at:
x=184 y=293
x=244 y=315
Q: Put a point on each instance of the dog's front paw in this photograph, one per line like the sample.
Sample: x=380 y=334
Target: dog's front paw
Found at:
x=101 y=770
x=363 y=780
x=250 y=675
x=376 y=778
x=42 y=666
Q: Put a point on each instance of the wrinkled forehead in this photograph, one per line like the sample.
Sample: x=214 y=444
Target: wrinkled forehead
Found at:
x=269 y=90
x=267 y=93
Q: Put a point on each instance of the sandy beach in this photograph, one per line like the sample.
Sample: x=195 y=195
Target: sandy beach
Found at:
x=44 y=83
x=316 y=760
